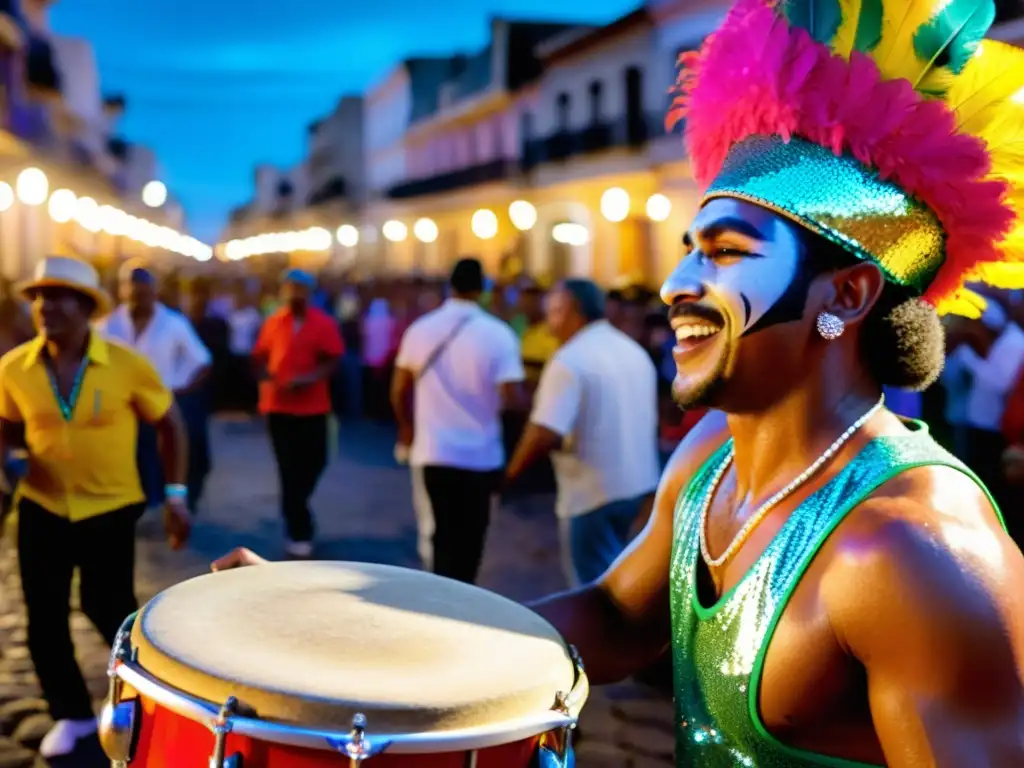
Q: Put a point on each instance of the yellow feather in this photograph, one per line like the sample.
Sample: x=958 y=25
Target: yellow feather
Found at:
x=965 y=303
x=895 y=54
x=989 y=92
x=842 y=43
x=1002 y=275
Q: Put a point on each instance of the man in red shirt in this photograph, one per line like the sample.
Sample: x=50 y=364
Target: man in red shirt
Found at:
x=295 y=355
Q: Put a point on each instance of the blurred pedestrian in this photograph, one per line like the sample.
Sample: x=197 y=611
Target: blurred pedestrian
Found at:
x=173 y=347
x=596 y=415
x=379 y=345
x=73 y=400
x=457 y=367
x=295 y=356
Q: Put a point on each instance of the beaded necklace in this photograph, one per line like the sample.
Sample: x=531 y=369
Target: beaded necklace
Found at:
x=67 y=407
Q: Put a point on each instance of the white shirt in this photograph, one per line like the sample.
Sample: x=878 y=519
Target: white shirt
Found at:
x=994 y=378
x=600 y=392
x=169 y=342
x=457 y=401
x=244 y=325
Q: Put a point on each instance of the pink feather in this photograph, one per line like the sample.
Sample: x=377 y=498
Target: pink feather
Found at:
x=758 y=76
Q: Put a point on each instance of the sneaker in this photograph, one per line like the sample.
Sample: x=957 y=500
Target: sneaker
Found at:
x=61 y=739
x=300 y=549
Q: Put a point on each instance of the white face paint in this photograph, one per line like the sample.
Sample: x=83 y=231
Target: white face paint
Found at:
x=742 y=260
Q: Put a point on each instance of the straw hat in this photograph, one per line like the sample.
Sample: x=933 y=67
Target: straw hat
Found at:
x=73 y=274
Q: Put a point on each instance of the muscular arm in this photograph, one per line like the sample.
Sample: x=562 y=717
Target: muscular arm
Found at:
x=621 y=623
x=936 y=618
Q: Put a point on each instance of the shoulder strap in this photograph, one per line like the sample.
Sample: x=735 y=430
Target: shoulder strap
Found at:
x=440 y=348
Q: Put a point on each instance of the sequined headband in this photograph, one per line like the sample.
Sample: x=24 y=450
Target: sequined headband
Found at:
x=839 y=199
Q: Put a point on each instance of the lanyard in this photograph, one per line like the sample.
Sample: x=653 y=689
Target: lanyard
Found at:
x=67 y=407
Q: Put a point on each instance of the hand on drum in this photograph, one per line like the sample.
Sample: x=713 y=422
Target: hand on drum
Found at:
x=237 y=558
x=177 y=523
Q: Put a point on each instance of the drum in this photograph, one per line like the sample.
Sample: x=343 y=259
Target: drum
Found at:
x=317 y=665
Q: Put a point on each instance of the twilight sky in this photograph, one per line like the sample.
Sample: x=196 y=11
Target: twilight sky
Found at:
x=216 y=86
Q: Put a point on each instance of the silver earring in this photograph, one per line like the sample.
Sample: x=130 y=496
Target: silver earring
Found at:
x=829 y=326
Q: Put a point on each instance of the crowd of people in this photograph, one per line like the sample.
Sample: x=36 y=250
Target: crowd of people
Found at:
x=494 y=390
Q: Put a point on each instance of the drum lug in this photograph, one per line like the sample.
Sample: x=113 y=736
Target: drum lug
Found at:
x=118 y=718
x=221 y=729
x=358 y=746
x=557 y=743
x=117 y=730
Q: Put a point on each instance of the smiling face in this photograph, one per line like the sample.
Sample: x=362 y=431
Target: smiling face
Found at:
x=735 y=297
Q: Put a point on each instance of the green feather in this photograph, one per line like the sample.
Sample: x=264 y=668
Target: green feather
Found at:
x=869 y=26
x=821 y=18
x=952 y=36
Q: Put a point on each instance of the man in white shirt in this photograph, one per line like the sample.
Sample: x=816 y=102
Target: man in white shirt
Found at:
x=995 y=372
x=166 y=338
x=459 y=365
x=596 y=414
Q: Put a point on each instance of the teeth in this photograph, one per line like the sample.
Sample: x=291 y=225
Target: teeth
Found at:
x=687 y=332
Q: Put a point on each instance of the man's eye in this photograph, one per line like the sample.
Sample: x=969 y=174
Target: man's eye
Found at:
x=726 y=253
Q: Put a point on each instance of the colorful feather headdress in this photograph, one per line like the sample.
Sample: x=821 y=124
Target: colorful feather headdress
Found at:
x=888 y=126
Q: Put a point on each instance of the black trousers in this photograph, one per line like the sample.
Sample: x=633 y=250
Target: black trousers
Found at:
x=300 y=447
x=460 y=501
x=49 y=550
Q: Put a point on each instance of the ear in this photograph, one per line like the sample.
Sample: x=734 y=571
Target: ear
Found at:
x=850 y=293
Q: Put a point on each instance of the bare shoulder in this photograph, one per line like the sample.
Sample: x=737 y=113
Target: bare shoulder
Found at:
x=927 y=554
x=706 y=437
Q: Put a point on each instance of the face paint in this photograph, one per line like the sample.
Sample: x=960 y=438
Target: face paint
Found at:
x=744 y=269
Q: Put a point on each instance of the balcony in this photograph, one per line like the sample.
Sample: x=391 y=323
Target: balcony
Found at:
x=629 y=132
x=496 y=170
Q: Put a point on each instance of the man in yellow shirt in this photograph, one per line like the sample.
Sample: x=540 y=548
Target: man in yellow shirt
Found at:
x=72 y=401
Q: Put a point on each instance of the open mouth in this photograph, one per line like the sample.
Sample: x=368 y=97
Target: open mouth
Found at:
x=692 y=332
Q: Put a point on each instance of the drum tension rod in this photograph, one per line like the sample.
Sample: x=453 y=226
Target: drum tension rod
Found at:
x=221 y=729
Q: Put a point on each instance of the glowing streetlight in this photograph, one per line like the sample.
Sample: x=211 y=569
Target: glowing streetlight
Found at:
x=154 y=194
x=615 y=204
x=523 y=215
x=348 y=236
x=32 y=186
x=425 y=230
x=395 y=231
x=569 y=233
x=484 y=224
x=62 y=205
x=87 y=213
x=317 y=239
x=658 y=207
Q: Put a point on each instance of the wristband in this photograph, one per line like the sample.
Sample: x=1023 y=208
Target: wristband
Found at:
x=176 y=491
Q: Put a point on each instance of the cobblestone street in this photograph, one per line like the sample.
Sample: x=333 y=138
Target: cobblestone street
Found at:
x=364 y=513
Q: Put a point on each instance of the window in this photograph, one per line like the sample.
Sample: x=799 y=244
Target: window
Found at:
x=596 y=91
x=562 y=107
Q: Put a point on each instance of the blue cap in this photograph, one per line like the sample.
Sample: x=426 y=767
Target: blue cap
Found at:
x=299 y=277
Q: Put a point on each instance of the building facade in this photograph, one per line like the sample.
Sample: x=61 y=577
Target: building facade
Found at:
x=459 y=168
x=545 y=152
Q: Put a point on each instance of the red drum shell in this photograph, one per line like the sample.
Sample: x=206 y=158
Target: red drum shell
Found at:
x=169 y=740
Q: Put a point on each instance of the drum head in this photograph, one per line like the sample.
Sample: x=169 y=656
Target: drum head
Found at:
x=313 y=643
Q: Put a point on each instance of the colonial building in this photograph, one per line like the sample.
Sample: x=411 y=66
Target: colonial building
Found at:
x=447 y=179
x=66 y=184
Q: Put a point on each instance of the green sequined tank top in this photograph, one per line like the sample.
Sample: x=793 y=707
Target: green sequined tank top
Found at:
x=718 y=652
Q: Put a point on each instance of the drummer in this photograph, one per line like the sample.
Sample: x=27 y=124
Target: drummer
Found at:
x=74 y=400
